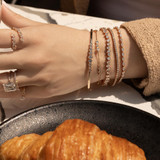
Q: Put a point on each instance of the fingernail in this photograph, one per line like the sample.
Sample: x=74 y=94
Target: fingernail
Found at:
x=5 y=4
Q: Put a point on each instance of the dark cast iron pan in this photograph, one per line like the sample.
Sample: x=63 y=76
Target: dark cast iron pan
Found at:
x=135 y=125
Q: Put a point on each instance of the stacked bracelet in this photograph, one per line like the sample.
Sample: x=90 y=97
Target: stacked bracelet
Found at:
x=90 y=56
x=107 y=53
x=97 y=56
x=121 y=53
x=116 y=56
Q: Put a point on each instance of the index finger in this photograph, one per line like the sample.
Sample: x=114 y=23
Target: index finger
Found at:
x=11 y=18
x=5 y=40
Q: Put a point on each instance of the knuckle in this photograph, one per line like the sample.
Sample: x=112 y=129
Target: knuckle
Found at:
x=41 y=59
x=36 y=61
x=44 y=80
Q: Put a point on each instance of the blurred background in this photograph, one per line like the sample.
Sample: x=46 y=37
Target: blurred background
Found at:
x=47 y=4
x=123 y=10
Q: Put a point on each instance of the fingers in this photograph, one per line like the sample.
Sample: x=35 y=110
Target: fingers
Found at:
x=13 y=19
x=26 y=92
x=21 y=79
x=17 y=58
x=20 y=91
x=5 y=40
x=11 y=60
x=16 y=94
x=5 y=79
x=23 y=84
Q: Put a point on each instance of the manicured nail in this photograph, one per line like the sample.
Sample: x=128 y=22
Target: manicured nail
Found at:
x=5 y=4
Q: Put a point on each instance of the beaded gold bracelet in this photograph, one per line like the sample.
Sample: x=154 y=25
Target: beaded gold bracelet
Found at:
x=121 y=53
x=97 y=56
x=116 y=56
x=90 y=56
x=107 y=53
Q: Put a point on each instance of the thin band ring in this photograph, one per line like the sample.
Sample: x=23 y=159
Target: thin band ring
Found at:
x=15 y=81
x=13 y=42
x=19 y=32
x=13 y=38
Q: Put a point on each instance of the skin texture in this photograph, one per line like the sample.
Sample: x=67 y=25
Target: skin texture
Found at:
x=53 y=59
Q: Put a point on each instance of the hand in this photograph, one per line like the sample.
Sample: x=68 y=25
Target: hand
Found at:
x=53 y=59
x=47 y=63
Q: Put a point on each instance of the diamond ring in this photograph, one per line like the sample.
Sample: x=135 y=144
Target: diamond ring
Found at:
x=11 y=86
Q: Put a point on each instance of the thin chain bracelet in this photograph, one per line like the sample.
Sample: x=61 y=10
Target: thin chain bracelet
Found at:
x=98 y=59
x=107 y=66
x=90 y=56
x=121 y=53
x=116 y=56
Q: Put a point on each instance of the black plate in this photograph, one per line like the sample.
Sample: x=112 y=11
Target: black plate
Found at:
x=137 y=126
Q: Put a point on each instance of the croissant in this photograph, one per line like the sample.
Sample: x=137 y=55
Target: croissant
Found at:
x=72 y=140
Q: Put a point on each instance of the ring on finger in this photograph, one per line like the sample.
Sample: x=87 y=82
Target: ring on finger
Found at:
x=10 y=86
x=13 y=42
x=15 y=81
x=19 y=32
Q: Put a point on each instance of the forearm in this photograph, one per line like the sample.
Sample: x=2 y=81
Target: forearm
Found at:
x=135 y=63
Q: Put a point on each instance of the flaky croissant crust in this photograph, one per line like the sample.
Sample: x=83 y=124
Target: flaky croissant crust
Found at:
x=74 y=139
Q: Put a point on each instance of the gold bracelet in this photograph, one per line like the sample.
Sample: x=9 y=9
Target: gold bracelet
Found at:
x=121 y=53
x=107 y=53
x=90 y=56
x=116 y=56
x=97 y=56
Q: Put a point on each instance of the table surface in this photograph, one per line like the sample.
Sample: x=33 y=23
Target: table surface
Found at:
x=121 y=93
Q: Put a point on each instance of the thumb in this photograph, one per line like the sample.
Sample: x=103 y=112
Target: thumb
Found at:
x=13 y=19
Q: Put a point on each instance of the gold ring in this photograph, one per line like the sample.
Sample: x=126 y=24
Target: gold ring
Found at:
x=13 y=42
x=19 y=34
x=15 y=81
